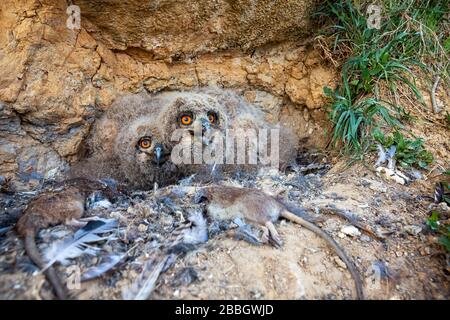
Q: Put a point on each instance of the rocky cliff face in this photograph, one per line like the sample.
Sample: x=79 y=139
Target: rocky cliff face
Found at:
x=174 y=28
x=55 y=81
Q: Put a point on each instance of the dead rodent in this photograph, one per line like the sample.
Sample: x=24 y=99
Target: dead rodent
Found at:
x=64 y=203
x=254 y=206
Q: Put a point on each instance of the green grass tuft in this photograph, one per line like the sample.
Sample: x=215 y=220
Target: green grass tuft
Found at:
x=441 y=228
x=412 y=34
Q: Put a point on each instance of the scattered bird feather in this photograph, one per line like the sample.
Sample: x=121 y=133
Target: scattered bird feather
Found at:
x=381 y=270
x=4 y=230
x=58 y=233
x=390 y=157
x=142 y=288
x=187 y=276
x=107 y=263
x=395 y=175
x=187 y=181
x=27 y=267
x=413 y=174
x=213 y=169
x=78 y=244
x=246 y=232
x=239 y=222
x=189 y=235
x=98 y=200
x=382 y=156
x=169 y=262
x=439 y=192
x=198 y=231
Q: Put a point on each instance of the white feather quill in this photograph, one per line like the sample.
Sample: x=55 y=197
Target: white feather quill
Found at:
x=79 y=243
x=107 y=263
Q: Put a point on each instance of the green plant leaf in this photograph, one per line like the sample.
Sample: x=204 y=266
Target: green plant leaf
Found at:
x=445 y=241
x=432 y=221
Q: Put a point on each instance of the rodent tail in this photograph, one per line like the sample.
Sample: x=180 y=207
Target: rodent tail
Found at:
x=298 y=211
x=50 y=273
x=340 y=252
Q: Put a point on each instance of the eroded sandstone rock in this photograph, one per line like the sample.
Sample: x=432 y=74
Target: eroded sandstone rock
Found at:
x=177 y=28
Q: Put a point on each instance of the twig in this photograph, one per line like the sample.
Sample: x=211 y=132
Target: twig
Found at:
x=430 y=121
x=433 y=94
x=347 y=215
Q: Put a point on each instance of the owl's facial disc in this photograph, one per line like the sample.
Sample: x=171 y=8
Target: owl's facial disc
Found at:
x=150 y=150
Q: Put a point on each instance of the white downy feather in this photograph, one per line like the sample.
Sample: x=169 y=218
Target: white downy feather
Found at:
x=382 y=157
x=390 y=157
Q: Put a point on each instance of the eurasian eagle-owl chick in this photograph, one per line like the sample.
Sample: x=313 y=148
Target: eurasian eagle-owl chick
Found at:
x=217 y=119
x=127 y=144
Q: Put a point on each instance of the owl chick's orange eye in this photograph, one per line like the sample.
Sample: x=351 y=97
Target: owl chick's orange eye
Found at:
x=186 y=120
x=145 y=142
x=212 y=117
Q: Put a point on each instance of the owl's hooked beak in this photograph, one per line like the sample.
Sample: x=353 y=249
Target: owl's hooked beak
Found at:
x=158 y=153
x=206 y=126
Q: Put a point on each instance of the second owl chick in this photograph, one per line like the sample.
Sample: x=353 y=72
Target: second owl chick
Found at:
x=222 y=123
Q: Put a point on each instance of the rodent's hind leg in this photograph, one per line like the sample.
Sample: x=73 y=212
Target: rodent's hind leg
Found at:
x=250 y=233
x=257 y=234
x=274 y=237
x=265 y=236
x=75 y=223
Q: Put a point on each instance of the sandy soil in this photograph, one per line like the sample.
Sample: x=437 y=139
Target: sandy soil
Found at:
x=305 y=268
x=406 y=264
